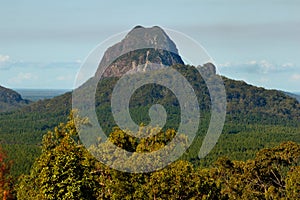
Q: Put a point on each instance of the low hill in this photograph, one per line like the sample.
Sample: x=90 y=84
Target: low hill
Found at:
x=11 y=100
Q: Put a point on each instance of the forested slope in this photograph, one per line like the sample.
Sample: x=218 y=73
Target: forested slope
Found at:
x=11 y=100
x=256 y=117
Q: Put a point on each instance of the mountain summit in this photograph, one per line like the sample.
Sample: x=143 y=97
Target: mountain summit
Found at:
x=140 y=47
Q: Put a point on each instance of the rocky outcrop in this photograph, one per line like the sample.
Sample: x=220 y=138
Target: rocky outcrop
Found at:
x=137 y=50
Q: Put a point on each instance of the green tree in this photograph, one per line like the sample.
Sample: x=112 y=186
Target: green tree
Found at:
x=180 y=181
x=264 y=177
x=293 y=183
x=64 y=169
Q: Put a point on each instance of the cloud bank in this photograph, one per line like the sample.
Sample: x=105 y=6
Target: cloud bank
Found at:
x=284 y=76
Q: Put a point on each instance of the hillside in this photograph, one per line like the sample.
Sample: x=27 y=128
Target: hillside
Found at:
x=256 y=117
x=245 y=104
x=11 y=100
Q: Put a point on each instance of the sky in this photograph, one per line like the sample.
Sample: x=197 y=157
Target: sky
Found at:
x=44 y=43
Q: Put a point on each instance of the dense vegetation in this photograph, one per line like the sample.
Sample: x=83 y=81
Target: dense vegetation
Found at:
x=66 y=170
x=256 y=157
x=256 y=118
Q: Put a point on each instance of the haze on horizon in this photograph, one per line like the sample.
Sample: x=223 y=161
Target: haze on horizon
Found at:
x=44 y=43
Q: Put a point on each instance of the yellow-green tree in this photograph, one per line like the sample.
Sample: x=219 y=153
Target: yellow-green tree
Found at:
x=293 y=183
x=272 y=174
x=179 y=180
x=64 y=169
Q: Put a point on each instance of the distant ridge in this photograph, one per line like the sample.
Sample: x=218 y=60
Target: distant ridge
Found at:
x=40 y=94
x=294 y=95
x=11 y=100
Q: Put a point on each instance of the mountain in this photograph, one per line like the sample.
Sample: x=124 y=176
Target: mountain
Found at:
x=10 y=100
x=256 y=117
x=140 y=47
x=245 y=103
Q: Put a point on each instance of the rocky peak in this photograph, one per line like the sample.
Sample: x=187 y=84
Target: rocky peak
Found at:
x=140 y=47
x=142 y=38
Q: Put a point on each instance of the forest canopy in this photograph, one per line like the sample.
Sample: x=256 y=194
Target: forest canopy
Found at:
x=66 y=170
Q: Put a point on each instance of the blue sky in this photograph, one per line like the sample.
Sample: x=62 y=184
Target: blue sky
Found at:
x=43 y=43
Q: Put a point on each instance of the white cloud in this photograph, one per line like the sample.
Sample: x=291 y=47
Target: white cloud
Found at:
x=226 y=64
x=7 y=63
x=78 y=61
x=288 y=65
x=264 y=80
x=61 y=64
x=296 y=77
x=257 y=67
x=65 y=78
x=4 y=62
x=22 y=77
x=3 y=58
x=266 y=66
x=252 y=62
x=264 y=73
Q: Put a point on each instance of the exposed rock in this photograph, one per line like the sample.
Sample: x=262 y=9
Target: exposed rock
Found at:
x=140 y=47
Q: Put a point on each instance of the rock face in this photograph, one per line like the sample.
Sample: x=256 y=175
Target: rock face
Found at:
x=10 y=100
x=137 y=50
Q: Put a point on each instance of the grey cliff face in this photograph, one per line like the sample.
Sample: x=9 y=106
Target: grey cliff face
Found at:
x=153 y=46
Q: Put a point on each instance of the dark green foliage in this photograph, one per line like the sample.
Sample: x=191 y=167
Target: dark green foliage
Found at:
x=267 y=176
x=256 y=118
x=22 y=156
x=65 y=170
x=259 y=102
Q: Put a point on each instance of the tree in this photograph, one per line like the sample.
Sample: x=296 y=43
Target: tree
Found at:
x=293 y=183
x=180 y=181
x=5 y=179
x=264 y=177
x=64 y=169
